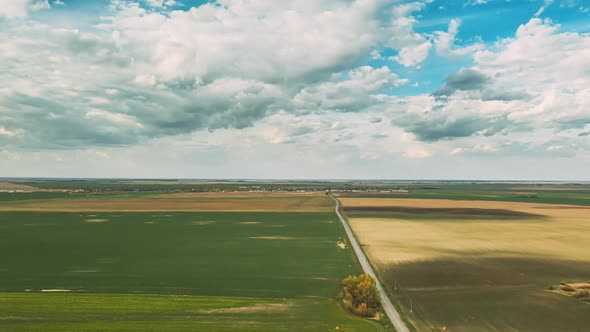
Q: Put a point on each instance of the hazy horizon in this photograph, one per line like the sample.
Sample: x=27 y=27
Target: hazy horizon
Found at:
x=385 y=180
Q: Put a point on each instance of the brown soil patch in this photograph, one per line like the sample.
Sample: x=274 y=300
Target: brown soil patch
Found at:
x=16 y=186
x=209 y=222
x=257 y=308
x=55 y=290
x=268 y=202
x=272 y=238
x=341 y=245
x=534 y=209
x=240 y=194
x=250 y=222
x=96 y=220
x=454 y=211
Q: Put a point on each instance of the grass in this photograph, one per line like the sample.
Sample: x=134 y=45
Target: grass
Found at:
x=530 y=193
x=36 y=195
x=471 y=272
x=125 y=312
x=159 y=271
x=176 y=253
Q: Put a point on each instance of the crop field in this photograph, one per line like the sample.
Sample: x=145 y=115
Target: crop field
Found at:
x=173 y=271
x=478 y=266
x=132 y=312
x=548 y=193
x=155 y=202
x=15 y=186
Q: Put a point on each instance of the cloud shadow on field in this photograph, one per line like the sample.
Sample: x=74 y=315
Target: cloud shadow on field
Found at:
x=484 y=269
x=474 y=212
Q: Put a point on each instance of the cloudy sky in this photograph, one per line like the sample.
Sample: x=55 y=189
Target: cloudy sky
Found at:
x=436 y=89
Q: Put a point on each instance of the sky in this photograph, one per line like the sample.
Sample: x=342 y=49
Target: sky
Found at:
x=299 y=89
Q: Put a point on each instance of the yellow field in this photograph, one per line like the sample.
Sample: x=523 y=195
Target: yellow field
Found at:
x=449 y=256
x=558 y=231
x=247 y=202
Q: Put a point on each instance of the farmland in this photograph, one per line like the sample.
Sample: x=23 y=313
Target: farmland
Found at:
x=477 y=265
x=128 y=266
x=168 y=256
x=527 y=192
x=154 y=202
x=132 y=312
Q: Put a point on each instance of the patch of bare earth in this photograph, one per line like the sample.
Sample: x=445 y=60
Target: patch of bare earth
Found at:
x=96 y=220
x=16 y=186
x=208 y=222
x=241 y=194
x=341 y=245
x=439 y=205
x=250 y=222
x=272 y=238
x=246 y=202
x=257 y=308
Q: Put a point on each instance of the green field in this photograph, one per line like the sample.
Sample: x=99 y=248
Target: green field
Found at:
x=526 y=193
x=114 y=265
x=125 y=312
x=11 y=197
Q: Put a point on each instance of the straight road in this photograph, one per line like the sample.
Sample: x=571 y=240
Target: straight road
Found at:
x=393 y=315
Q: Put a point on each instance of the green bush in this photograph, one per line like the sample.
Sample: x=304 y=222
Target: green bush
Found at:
x=360 y=295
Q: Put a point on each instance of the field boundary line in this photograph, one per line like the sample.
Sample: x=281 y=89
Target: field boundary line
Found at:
x=388 y=307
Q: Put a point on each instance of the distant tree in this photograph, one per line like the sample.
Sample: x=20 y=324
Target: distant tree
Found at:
x=360 y=295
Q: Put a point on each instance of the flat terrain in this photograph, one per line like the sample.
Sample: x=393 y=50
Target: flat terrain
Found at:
x=125 y=312
x=15 y=186
x=478 y=266
x=544 y=193
x=208 y=253
x=155 y=202
x=176 y=271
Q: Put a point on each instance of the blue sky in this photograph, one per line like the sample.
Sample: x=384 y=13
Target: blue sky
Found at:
x=373 y=88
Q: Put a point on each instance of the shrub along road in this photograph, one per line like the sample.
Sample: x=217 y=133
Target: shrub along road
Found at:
x=388 y=307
